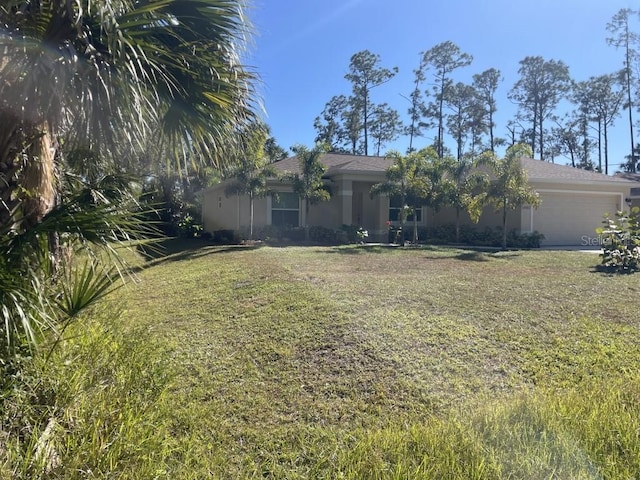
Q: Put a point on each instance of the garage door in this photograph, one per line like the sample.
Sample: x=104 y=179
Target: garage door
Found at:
x=571 y=218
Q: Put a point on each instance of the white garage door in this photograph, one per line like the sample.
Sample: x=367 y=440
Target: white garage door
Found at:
x=571 y=218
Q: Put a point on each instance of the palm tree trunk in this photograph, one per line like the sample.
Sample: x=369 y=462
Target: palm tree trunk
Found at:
x=402 y=220
x=250 y=217
x=10 y=145
x=27 y=172
x=306 y=220
x=457 y=224
x=504 y=226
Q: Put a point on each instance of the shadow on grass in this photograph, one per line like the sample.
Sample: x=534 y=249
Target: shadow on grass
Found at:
x=436 y=252
x=612 y=271
x=472 y=257
x=179 y=249
x=475 y=255
x=379 y=248
x=506 y=254
x=358 y=249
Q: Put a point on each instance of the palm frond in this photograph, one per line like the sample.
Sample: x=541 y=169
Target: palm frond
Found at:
x=29 y=279
x=83 y=287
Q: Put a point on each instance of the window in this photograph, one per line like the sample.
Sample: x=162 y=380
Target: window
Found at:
x=285 y=210
x=394 y=210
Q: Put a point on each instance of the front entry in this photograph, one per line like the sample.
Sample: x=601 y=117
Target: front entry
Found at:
x=357 y=212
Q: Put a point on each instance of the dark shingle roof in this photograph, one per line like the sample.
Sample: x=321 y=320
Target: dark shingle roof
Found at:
x=634 y=177
x=340 y=163
x=537 y=170
x=545 y=171
x=629 y=176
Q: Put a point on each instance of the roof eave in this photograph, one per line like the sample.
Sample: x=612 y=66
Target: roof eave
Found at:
x=580 y=181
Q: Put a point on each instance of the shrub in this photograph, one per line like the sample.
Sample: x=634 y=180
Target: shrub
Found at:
x=440 y=234
x=225 y=237
x=620 y=240
x=354 y=234
x=188 y=227
x=323 y=235
x=485 y=237
x=524 y=240
x=267 y=232
x=273 y=233
x=293 y=234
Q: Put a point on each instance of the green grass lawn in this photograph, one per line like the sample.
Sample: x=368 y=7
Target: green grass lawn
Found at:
x=356 y=362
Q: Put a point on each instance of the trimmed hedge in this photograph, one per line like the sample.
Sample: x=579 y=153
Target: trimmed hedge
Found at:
x=439 y=235
x=469 y=235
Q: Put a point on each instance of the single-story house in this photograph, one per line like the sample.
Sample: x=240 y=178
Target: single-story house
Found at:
x=573 y=202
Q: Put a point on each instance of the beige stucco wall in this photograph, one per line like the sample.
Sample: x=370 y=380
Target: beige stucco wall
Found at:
x=350 y=204
x=568 y=211
x=489 y=218
x=220 y=212
x=365 y=208
x=326 y=214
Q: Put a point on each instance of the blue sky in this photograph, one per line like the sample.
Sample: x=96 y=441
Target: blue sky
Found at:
x=301 y=50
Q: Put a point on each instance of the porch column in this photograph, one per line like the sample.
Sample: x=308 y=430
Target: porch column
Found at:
x=382 y=230
x=346 y=195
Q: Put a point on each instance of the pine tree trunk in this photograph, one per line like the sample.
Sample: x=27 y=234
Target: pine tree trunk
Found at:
x=606 y=151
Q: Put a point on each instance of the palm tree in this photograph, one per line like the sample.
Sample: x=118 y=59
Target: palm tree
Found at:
x=40 y=292
x=105 y=77
x=100 y=73
x=308 y=184
x=435 y=170
x=463 y=188
x=509 y=187
x=406 y=179
x=252 y=170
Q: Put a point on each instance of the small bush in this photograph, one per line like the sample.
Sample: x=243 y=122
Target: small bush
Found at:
x=524 y=240
x=620 y=240
x=225 y=237
x=267 y=232
x=326 y=236
x=188 y=227
x=293 y=234
x=353 y=234
x=317 y=234
x=441 y=234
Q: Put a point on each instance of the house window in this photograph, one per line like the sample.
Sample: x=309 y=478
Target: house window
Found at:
x=285 y=210
x=395 y=206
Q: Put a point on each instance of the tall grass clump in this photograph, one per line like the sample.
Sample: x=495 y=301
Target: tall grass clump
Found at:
x=592 y=431
x=90 y=408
